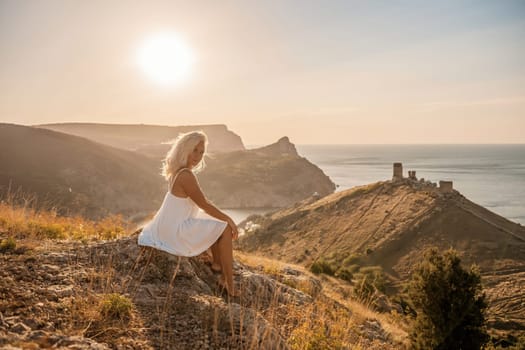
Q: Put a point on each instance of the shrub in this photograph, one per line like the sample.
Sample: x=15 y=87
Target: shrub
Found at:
x=322 y=266
x=449 y=304
x=116 y=307
x=344 y=273
x=368 y=282
x=7 y=245
x=352 y=259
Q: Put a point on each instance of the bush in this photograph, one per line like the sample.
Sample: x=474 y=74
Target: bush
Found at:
x=321 y=266
x=7 y=245
x=116 y=307
x=352 y=259
x=344 y=273
x=449 y=304
x=368 y=282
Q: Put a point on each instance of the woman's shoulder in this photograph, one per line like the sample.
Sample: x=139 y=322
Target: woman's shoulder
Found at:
x=185 y=173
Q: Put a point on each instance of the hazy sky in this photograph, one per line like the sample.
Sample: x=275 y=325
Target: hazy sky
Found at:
x=316 y=71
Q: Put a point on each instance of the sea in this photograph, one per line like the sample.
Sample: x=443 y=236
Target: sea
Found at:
x=491 y=175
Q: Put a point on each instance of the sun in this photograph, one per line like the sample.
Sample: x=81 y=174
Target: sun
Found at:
x=165 y=58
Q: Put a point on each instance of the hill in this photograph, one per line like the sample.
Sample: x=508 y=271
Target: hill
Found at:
x=76 y=175
x=273 y=176
x=79 y=176
x=390 y=224
x=150 y=140
x=85 y=293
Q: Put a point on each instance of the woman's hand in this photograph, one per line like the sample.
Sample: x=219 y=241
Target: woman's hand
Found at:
x=191 y=187
x=235 y=230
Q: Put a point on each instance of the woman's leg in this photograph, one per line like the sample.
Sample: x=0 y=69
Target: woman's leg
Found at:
x=226 y=258
x=216 y=261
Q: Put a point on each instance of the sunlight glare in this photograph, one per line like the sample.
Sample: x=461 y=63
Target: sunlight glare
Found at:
x=166 y=59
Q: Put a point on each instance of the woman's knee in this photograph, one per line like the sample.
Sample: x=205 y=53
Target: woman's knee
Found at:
x=227 y=233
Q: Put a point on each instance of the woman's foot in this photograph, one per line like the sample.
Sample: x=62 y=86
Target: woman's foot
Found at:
x=216 y=268
x=232 y=292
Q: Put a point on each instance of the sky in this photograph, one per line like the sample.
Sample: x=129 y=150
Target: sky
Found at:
x=319 y=72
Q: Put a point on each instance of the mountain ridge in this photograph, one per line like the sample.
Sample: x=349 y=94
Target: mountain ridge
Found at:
x=148 y=139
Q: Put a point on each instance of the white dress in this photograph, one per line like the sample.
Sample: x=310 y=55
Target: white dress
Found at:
x=180 y=227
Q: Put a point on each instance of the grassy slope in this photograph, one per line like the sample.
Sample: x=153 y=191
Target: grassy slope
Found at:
x=83 y=291
x=391 y=225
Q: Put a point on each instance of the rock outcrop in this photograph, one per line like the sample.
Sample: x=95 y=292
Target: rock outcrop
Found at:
x=283 y=147
x=273 y=176
x=52 y=296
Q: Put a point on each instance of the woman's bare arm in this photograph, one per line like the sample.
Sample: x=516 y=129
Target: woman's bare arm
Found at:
x=190 y=185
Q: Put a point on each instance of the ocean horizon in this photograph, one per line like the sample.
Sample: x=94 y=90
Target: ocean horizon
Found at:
x=491 y=175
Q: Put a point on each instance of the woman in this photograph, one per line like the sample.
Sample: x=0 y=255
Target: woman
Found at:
x=176 y=228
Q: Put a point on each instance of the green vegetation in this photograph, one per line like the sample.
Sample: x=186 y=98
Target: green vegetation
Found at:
x=116 y=307
x=345 y=273
x=449 y=304
x=7 y=245
x=322 y=266
x=368 y=281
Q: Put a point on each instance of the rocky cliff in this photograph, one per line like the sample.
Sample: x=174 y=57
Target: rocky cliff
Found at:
x=272 y=176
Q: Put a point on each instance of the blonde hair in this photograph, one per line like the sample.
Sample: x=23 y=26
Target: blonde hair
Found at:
x=177 y=156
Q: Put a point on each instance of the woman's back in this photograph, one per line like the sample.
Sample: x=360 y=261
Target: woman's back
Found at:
x=176 y=228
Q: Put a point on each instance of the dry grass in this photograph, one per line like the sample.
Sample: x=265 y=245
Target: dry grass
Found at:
x=325 y=325
x=101 y=308
x=395 y=324
x=95 y=310
x=27 y=222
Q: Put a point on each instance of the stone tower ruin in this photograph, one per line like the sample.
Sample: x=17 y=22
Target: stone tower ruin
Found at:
x=446 y=186
x=398 y=171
